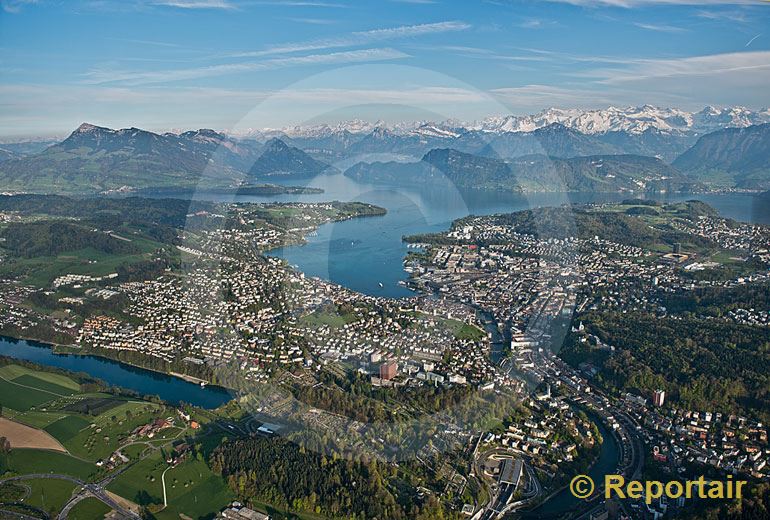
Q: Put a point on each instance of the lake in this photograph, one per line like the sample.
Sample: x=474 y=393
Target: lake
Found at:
x=363 y=253
x=360 y=254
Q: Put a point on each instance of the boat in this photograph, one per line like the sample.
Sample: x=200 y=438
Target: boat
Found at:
x=380 y=283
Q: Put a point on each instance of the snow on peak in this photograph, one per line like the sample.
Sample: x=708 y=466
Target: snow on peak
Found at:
x=634 y=120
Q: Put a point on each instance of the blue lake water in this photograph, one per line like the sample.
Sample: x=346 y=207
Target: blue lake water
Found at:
x=360 y=254
x=363 y=253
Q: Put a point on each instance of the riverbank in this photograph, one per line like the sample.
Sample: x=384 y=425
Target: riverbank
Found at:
x=117 y=373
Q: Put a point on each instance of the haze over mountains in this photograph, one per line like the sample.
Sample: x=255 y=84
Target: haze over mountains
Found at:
x=635 y=149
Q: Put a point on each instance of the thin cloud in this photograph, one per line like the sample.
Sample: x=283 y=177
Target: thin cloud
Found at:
x=730 y=16
x=300 y=3
x=196 y=4
x=744 y=65
x=15 y=6
x=142 y=78
x=660 y=28
x=628 y=4
x=313 y=21
x=359 y=38
x=536 y=23
x=752 y=40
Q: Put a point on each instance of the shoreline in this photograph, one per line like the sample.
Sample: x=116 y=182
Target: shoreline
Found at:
x=34 y=342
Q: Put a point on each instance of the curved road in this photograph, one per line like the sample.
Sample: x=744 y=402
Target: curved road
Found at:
x=95 y=490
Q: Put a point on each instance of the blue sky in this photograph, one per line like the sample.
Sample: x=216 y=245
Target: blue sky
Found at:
x=236 y=64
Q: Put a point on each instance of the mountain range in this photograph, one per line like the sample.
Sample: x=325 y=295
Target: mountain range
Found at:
x=737 y=155
x=638 y=149
x=634 y=120
x=597 y=173
x=95 y=158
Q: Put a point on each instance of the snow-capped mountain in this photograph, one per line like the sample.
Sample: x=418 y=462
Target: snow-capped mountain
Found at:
x=632 y=120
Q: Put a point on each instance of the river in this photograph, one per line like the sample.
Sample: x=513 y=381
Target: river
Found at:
x=145 y=382
x=564 y=501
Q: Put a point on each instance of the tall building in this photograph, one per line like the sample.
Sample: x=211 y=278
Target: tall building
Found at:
x=659 y=397
x=388 y=370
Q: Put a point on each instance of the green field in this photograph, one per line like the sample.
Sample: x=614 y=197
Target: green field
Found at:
x=88 y=509
x=24 y=461
x=320 y=318
x=108 y=431
x=17 y=397
x=41 y=271
x=14 y=371
x=66 y=428
x=141 y=482
x=192 y=488
x=22 y=388
x=42 y=384
x=50 y=495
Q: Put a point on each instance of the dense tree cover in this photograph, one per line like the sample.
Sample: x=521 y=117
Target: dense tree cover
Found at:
x=716 y=301
x=144 y=360
x=355 y=397
x=49 y=302
x=642 y=210
x=281 y=473
x=50 y=238
x=702 y=364
x=133 y=210
x=41 y=331
x=755 y=506
x=588 y=222
x=563 y=222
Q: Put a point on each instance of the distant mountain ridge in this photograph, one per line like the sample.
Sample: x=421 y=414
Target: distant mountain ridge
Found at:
x=94 y=158
x=98 y=159
x=634 y=120
x=599 y=173
x=737 y=156
x=283 y=161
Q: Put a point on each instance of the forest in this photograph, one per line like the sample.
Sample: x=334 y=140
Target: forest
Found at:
x=278 y=472
x=702 y=364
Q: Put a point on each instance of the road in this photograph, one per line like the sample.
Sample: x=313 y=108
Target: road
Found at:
x=88 y=489
x=547 y=367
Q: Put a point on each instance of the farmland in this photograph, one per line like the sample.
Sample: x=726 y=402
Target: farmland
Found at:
x=56 y=427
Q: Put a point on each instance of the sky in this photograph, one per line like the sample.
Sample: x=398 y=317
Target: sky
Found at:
x=240 y=64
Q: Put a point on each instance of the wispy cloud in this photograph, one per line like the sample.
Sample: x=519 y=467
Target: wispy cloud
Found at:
x=165 y=76
x=746 y=66
x=536 y=23
x=638 y=3
x=730 y=16
x=14 y=6
x=360 y=38
x=313 y=21
x=660 y=28
x=196 y=4
x=752 y=40
x=300 y=3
